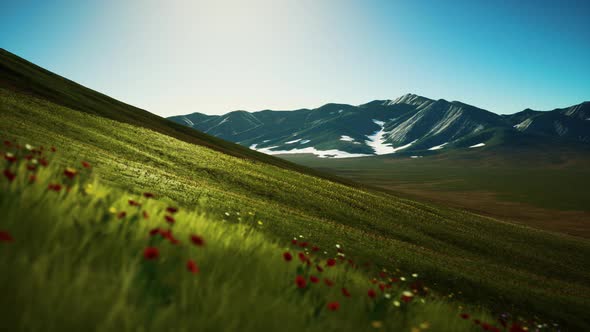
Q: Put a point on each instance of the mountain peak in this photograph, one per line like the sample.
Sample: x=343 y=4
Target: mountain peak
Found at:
x=411 y=99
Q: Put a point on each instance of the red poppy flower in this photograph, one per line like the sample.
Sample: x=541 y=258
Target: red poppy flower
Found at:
x=86 y=164
x=486 y=326
x=333 y=306
x=407 y=297
x=70 y=173
x=331 y=262
x=197 y=240
x=287 y=256
x=319 y=268
x=171 y=209
x=151 y=253
x=293 y=241
x=5 y=237
x=54 y=187
x=383 y=274
x=121 y=214
x=314 y=279
x=169 y=219
x=300 y=282
x=464 y=316
x=382 y=287
x=173 y=240
x=133 y=203
x=166 y=233
x=148 y=195
x=303 y=244
x=9 y=175
x=192 y=267
x=43 y=162
x=10 y=157
x=31 y=167
x=145 y=215
x=371 y=293
x=28 y=157
x=32 y=178
x=154 y=231
x=302 y=257
x=345 y=292
x=315 y=248
x=8 y=143
x=476 y=321
x=328 y=282
x=53 y=149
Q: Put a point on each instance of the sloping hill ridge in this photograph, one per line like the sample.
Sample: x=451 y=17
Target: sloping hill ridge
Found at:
x=20 y=75
x=408 y=124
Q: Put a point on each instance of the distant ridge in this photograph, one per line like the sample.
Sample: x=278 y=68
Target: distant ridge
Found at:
x=408 y=124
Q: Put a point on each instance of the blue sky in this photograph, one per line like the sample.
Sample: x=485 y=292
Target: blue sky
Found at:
x=176 y=57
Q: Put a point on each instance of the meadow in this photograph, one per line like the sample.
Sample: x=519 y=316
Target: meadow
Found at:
x=80 y=255
x=471 y=260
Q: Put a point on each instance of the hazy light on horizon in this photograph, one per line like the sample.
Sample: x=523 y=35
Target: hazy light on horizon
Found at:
x=178 y=57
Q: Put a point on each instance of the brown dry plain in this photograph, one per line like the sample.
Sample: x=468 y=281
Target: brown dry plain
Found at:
x=534 y=188
x=571 y=222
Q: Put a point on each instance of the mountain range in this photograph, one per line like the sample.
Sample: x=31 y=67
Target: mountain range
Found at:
x=410 y=124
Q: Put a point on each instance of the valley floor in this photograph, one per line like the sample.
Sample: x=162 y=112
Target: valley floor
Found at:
x=542 y=191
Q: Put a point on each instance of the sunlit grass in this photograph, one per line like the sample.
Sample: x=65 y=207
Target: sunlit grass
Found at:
x=83 y=255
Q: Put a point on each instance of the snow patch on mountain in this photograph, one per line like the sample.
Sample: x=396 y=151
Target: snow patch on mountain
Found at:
x=187 y=121
x=253 y=146
x=400 y=132
x=333 y=153
x=293 y=141
x=450 y=117
x=523 y=125
x=377 y=141
x=438 y=147
x=404 y=146
x=305 y=141
x=346 y=138
x=478 y=145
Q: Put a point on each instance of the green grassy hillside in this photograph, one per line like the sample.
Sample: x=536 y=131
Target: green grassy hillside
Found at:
x=477 y=260
x=19 y=75
x=92 y=257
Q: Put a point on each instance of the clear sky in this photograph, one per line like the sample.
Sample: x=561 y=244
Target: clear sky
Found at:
x=177 y=57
